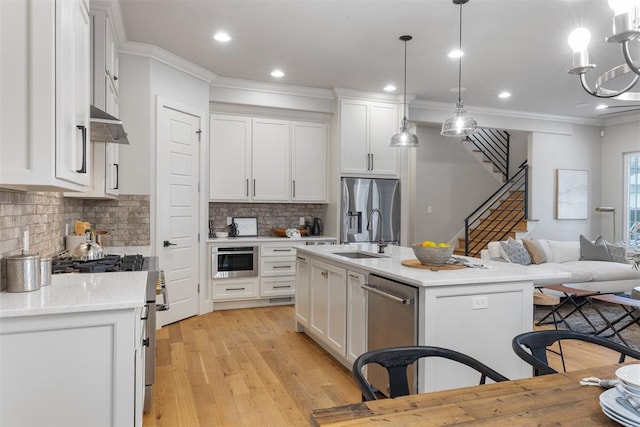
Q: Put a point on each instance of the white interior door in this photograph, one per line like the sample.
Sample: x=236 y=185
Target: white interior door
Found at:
x=177 y=211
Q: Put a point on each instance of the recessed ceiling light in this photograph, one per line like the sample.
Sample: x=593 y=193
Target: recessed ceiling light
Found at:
x=390 y=88
x=504 y=94
x=277 y=73
x=601 y=106
x=456 y=53
x=221 y=36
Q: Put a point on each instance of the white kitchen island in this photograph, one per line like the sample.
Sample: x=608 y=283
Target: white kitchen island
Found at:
x=473 y=310
x=71 y=353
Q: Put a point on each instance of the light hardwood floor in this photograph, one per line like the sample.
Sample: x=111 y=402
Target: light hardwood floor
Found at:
x=250 y=368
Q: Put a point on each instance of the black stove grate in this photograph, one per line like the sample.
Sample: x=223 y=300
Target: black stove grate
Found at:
x=109 y=263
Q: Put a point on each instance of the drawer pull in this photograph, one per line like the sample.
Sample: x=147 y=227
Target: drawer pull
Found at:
x=281 y=286
x=281 y=266
x=353 y=276
x=282 y=250
x=234 y=289
x=301 y=258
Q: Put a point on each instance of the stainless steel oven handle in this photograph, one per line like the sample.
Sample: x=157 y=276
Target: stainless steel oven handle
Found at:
x=404 y=301
x=164 y=292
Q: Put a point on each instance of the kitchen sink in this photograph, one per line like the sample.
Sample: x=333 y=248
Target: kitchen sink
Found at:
x=359 y=255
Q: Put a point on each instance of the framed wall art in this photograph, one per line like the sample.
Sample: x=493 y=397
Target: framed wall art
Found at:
x=572 y=194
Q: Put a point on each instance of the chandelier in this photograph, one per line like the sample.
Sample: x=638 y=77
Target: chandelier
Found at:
x=404 y=138
x=626 y=28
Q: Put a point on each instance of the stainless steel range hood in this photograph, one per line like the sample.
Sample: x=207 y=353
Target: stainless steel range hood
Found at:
x=106 y=128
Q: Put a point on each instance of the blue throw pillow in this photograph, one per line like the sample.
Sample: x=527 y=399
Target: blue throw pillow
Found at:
x=516 y=252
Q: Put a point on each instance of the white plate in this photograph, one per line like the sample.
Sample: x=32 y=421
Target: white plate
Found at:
x=608 y=401
x=630 y=375
x=617 y=418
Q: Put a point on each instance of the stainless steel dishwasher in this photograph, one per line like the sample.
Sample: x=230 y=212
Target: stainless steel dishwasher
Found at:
x=392 y=321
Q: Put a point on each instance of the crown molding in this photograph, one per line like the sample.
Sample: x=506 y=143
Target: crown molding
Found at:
x=268 y=87
x=440 y=106
x=168 y=58
x=623 y=118
x=340 y=92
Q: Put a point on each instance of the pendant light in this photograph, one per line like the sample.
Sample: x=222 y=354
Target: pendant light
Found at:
x=404 y=139
x=460 y=124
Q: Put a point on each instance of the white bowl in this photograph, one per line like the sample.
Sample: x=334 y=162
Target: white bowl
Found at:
x=221 y=234
x=630 y=376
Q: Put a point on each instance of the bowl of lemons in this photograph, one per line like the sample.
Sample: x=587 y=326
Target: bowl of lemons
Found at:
x=432 y=253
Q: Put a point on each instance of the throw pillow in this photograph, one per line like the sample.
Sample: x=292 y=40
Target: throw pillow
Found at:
x=516 y=252
x=595 y=251
x=535 y=251
x=617 y=252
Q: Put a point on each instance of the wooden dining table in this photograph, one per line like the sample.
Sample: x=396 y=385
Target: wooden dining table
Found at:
x=556 y=399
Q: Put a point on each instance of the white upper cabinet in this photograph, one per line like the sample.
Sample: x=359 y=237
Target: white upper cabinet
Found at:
x=44 y=95
x=105 y=180
x=309 y=161
x=270 y=160
x=366 y=128
x=267 y=160
x=229 y=158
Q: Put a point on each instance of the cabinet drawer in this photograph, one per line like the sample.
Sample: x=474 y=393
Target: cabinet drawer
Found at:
x=277 y=266
x=229 y=289
x=278 y=286
x=277 y=249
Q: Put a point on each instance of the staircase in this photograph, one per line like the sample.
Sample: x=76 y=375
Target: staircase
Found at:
x=491 y=148
x=501 y=216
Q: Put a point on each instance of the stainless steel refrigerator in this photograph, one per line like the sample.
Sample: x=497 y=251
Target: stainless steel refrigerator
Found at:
x=359 y=197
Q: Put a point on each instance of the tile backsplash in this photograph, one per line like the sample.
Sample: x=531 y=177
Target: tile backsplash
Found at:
x=270 y=215
x=45 y=215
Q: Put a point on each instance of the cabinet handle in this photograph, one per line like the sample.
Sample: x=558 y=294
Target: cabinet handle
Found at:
x=281 y=266
x=282 y=250
x=325 y=274
x=367 y=161
x=353 y=276
x=301 y=258
x=254 y=187
x=371 y=162
x=294 y=188
x=247 y=189
x=83 y=129
x=234 y=289
x=281 y=286
x=117 y=176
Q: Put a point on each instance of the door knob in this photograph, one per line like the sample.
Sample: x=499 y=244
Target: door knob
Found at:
x=167 y=243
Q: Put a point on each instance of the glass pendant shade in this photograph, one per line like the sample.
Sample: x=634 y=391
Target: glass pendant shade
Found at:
x=460 y=124
x=404 y=139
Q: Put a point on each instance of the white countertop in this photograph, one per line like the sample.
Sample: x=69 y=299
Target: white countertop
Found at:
x=78 y=292
x=300 y=241
x=390 y=266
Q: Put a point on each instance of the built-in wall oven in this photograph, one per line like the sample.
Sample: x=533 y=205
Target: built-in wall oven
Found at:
x=231 y=261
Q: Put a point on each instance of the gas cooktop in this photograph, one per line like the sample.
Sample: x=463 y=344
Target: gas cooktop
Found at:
x=109 y=263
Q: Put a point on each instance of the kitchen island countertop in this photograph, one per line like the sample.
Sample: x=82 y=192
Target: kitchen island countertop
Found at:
x=389 y=265
x=75 y=292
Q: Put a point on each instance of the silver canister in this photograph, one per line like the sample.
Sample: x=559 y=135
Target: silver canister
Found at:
x=45 y=271
x=23 y=273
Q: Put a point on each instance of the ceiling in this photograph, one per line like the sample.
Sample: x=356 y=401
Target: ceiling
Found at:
x=514 y=45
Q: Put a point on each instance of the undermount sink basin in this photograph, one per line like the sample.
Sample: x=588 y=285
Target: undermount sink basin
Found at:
x=358 y=254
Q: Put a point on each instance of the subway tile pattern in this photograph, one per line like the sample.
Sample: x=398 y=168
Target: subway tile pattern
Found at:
x=45 y=215
x=270 y=215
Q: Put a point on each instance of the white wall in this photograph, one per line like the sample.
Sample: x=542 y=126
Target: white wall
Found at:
x=451 y=181
x=548 y=152
x=617 y=140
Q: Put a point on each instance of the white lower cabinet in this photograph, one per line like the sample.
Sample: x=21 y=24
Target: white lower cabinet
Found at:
x=235 y=289
x=71 y=369
x=328 y=298
x=278 y=286
x=356 y=315
x=303 y=289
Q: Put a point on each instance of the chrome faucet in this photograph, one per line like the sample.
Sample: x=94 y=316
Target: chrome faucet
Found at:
x=381 y=243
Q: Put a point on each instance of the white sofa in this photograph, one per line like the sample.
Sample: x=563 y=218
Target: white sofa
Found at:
x=604 y=276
